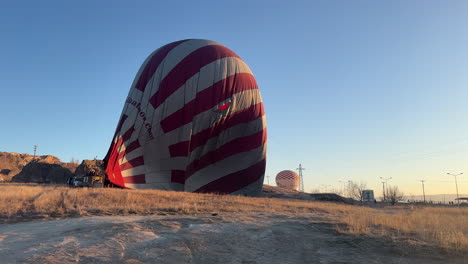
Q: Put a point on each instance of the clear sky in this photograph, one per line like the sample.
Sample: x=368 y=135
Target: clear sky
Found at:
x=353 y=90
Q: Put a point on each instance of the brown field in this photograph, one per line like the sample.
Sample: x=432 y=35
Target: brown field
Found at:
x=444 y=228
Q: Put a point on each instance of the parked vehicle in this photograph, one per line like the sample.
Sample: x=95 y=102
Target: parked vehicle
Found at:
x=77 y=181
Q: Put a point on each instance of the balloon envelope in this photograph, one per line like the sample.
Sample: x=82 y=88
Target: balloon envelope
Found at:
x=287 y=179
x=193 y=121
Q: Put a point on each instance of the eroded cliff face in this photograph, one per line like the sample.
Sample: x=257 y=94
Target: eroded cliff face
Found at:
x=90 y=168
x=11 y=164
x=41 y=172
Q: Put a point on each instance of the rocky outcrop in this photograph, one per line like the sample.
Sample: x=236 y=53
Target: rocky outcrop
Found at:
x=90 y=168
x=40 y=172
x=12 y=163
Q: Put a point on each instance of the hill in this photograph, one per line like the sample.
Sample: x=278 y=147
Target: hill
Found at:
x=11 y=164
x=41 y=172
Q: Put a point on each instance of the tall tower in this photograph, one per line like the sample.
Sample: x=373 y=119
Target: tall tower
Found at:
x=35 y=148
x=301 y=183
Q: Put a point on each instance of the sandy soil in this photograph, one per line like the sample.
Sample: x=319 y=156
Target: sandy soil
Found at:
x=224 y=238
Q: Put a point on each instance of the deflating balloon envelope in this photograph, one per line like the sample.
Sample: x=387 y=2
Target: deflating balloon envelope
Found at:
x=193 y=121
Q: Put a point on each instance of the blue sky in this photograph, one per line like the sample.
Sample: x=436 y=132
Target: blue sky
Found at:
x=353 y=90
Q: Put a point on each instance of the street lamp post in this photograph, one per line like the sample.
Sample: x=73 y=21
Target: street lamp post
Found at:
x=456 y=184
x=424 y=193
x=344 y=186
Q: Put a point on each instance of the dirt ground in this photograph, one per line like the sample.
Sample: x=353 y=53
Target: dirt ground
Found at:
x=212 y=238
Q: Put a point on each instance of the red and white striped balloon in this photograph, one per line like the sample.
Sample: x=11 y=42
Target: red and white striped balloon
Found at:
x=287 y=179
x=193 y=121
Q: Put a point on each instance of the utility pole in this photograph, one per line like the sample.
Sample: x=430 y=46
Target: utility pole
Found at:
x=424 y=193
x=301 y=183
x=456 y=185
x=385 y=186
x=35 y=148
x=383 y=191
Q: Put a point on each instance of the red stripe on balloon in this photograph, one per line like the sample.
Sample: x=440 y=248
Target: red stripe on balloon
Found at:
x=233 y=147
x=120 y=124
x=247 y=115
x=189 y=66
x=126 y=136
x=132 y=163
x=235 y=181
x=154 y=63
x=117 y=130
x=121 y=155
x=208 y=99
x=113 y=169
x=135 y=179
x=132 y=146
x=178 y=176
x=180 y=149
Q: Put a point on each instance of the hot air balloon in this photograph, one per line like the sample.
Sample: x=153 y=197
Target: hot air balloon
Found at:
x=193 y=121
x=287 y=179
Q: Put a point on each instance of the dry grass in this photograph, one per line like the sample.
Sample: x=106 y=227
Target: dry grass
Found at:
x=439 y=226
x=446 y=228
x=17 y=201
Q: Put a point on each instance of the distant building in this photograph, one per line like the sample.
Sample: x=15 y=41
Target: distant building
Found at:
x=368 y=195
